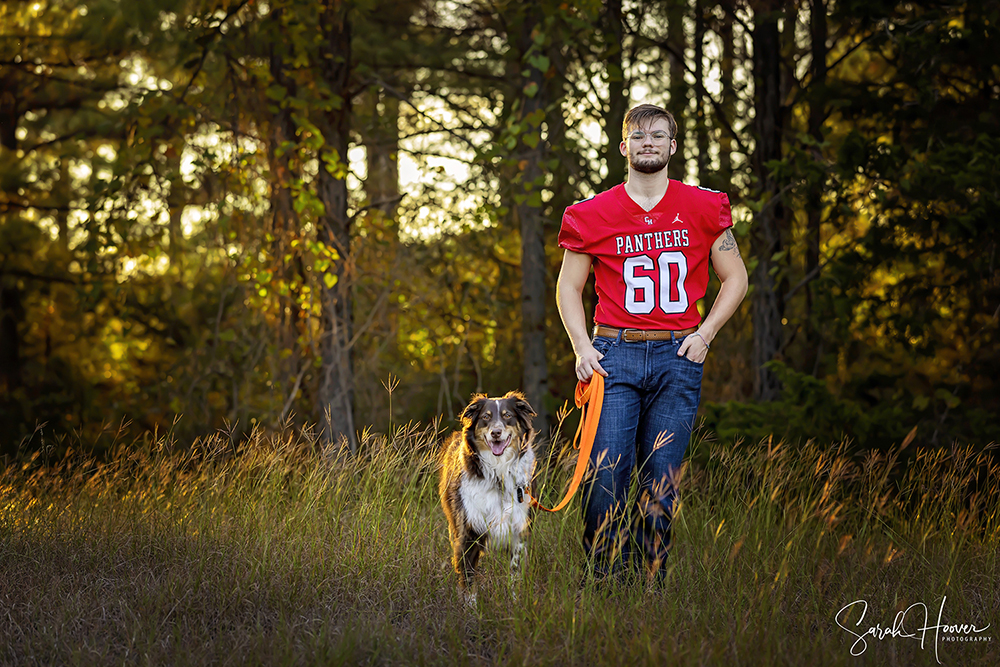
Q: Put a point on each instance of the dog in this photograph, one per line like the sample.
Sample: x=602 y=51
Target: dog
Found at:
x=486 y=484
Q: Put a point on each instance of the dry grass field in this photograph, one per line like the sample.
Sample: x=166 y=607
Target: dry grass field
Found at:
x=273 y=553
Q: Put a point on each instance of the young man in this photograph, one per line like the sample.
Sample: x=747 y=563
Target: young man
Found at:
x=649 y=242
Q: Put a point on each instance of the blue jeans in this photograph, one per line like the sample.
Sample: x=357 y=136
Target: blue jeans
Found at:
x=651 y=398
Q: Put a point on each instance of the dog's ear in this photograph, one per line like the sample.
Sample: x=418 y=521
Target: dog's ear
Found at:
x=471 y=412
x=524 y=411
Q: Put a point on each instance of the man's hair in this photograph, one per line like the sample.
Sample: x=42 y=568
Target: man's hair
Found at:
x=644 y=113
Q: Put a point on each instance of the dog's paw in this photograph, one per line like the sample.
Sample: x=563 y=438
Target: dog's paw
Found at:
x=470 y=599
x=514 y=582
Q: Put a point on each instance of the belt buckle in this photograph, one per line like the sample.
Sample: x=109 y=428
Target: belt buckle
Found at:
x=633 y=335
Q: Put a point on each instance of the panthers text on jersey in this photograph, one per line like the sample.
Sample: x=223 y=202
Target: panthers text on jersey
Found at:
x=650 y=267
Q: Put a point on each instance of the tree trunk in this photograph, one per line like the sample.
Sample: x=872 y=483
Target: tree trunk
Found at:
x=700 y=120
x=10 y=114
x=335 y=398
x=534 y=292
x=283 y=220
x=766 y=234
x=533 y=300
x=65 y=195
x=11 y=317
x=724 y=180
x=814 y=198
x=381 y=138
x=617 y=94
x=679 y=88
x=283 y=216
x=727 y=66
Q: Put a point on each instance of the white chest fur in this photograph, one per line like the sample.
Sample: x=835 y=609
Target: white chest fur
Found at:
x=491 y=503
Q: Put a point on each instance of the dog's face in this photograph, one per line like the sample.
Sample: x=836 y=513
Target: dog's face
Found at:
x=498 y=422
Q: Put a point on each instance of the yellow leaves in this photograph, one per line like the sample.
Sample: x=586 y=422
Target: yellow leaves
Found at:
x=908 y=439
x=736 y=548
x=845 y=541
x=718 y=531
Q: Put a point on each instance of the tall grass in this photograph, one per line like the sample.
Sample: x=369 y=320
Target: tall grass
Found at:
x=275 y=552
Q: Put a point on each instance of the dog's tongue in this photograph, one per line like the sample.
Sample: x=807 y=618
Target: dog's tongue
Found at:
x=498 y=447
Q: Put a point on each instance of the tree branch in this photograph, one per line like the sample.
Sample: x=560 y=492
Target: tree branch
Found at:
x=35 y=276
x=7 y=205
x=404 y=98
x=716 y=105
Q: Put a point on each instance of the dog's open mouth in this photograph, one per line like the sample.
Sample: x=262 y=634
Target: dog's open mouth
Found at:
x=498 y=446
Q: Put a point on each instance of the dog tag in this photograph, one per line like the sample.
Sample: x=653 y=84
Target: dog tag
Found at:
x=520 y=495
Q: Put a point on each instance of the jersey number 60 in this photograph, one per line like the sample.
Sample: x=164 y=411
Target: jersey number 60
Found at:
x=640 y=290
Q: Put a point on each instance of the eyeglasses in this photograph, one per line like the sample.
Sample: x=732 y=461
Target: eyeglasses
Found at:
x=659 y=136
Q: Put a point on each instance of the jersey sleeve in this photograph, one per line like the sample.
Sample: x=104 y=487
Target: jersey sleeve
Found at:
x=725 y=220
x=570 y=236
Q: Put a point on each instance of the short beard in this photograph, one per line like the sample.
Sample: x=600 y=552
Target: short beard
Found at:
x=650 y=167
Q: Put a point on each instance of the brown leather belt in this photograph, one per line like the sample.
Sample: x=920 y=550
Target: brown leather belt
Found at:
x=641 y=335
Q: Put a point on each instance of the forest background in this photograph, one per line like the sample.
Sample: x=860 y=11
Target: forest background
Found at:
x=343 y=212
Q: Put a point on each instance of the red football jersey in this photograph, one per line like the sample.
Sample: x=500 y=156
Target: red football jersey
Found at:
x=650 y=267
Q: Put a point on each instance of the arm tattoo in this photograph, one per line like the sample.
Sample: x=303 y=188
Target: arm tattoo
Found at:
x=729 y=243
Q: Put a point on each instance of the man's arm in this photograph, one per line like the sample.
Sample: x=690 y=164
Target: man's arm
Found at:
x=569 y=298
x=732 y=272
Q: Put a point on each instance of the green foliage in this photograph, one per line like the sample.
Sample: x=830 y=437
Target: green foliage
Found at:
x=927 y=163
x=162 y=205
x=806 y=407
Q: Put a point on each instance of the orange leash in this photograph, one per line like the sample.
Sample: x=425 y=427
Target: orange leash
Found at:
x=589 y=398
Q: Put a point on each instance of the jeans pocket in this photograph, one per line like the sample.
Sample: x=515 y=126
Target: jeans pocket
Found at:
x=602 y=344
x=691 y=371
